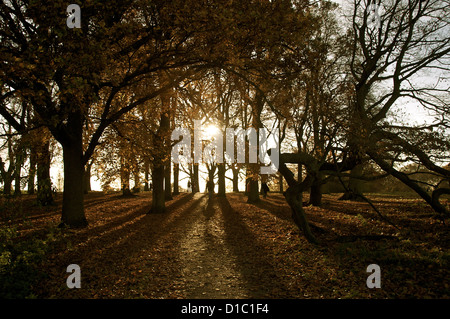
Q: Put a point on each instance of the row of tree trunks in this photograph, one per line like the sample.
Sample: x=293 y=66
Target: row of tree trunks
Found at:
x=38 y=147
x=7 y=174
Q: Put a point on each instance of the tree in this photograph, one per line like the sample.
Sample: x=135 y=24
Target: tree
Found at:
x=7 y=173
x=64 y=73
x=161 y=157
x=390 y=62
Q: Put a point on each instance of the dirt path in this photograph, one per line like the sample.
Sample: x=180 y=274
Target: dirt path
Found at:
x=208 y=265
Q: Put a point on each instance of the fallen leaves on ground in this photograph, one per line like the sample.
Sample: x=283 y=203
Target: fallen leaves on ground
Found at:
x=228 y=248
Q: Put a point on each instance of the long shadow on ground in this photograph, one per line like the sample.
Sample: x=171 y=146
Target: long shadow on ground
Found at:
x=110 y=259
x=261 y=279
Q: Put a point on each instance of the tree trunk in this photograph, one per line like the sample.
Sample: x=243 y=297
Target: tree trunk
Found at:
x=247 y=182
x=235 y=180
x=298 y=214
x=253 y=192
x=19 y=158
x=296 y=205
x=146 y=174
x=195 y=180
x=71 y=140
x=17 y=190
x=221 y=181
x=257 y=106
x=211 y=178
x=167 y=182
x=436 y=204
x=354 y=185
x=125 y=178
x=137 y=179
x=300 y=178
x=158 y=170
x=280 y=183
x=44 y=192
x=87 y=179
x=73 y=206
x=32 y=171
x=161 y=155
x=315 y=194
x=7 y=175
x=158 y=202
x=176 y=173
x=7 y=180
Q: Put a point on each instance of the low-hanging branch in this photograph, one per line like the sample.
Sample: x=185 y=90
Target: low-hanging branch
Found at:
x=433 y=200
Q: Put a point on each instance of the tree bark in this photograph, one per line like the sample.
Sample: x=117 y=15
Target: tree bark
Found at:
x=87 y=178
x=158 y=202
x=44 y=191
x=354 y=185
x=280 y=184
x=73 y=206
x=176 y=174
x=195 y=180
x=299 y=178
x=298 y=214
x=137 y=179
x=7 y=175
x=257 y=106
x=146 y=174
x=211 y=172
x=167 y=182
x=32 y=171
x=159 y=159
x=253 y=192
x=235 y=179
x=17 y=177
x=70 y=136
x=296 y=205
x=247 y=182
x=432 y=200
x=221 y=180
x=315 y=194
x=19 y=159
x=7 y=181
x=125 y=178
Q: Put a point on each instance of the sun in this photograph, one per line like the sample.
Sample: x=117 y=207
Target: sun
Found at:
x=211 y=130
